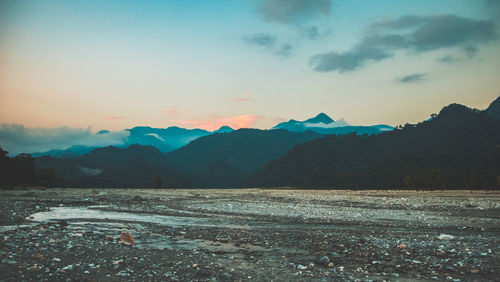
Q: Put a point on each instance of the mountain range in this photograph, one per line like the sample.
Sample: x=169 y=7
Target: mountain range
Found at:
x=172 y=138
x=457 y=148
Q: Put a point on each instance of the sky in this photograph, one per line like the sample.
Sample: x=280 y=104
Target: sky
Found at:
x=113 y=65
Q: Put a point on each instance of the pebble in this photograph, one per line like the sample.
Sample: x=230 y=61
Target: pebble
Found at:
x=301 y=267
x=446 y=237
x=324 y=261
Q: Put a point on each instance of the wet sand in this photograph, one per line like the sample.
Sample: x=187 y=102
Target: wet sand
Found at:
x=249 y=234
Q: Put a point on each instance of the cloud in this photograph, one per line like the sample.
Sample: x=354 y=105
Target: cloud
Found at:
x=155 y=136
x=269 y=42
x=261 y=39
x=242 y=99
x=114 y=117
x=16 y=138
x=415 y=33
x=470 y=51
x=339 y=123
x=285 y=50
x=411 y=78
x=448 y=59
x=347 y=61
x=243 y=121
x=311 y=32
x=292 y=11
x=171 y=111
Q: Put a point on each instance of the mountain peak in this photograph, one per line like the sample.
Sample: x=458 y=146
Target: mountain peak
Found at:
x=224 y=129
x=320 y=118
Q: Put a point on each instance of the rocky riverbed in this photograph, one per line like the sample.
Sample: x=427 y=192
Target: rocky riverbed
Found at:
x=249 y=234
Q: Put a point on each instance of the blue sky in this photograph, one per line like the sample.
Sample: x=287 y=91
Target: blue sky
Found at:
x=118 y=64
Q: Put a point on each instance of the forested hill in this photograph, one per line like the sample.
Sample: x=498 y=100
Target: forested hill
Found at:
x=223 y=160
x=458 y=148
x=135 y=166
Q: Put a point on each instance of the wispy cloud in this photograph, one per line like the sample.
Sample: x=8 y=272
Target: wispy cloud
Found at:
x=260 y=39
x=470 y=51
x=214 y=123
x=411 y=78
x=339 y=123
x=448 y=59
x=285 y=50
x=270 y=44
x=171 y=111
x=16 y=138
x=416 y=33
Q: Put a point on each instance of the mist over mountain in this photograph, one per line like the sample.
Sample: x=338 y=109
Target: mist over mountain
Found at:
x=164 y=139
x=458 y=148
x=323 y=124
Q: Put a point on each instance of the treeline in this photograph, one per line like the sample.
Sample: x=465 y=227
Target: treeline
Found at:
x=458 y=148
x=22 y=171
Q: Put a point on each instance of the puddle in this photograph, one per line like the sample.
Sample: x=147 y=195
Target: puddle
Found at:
x=93 y=213
x=111 y=223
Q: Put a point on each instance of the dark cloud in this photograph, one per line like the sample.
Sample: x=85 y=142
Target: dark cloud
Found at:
x=16 y=138
x=447 y=59
x=412 y=78
x=416 y=33
x=448 y=31
x=292 y=11
x=261 y=39
x=347 y=61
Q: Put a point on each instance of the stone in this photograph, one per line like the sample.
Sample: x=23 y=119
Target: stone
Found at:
x=335 y=255
x=446 y=237
x=301 y=267
x=324 y=261
x=126 y=238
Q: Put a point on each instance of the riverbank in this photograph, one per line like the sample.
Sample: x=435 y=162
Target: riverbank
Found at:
x=249 y=234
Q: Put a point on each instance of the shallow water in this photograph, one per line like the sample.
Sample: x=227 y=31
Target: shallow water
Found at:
x=112 y=223
x=93 y=213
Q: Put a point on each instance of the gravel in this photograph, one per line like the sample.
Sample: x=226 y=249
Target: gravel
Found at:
x=252 y=234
